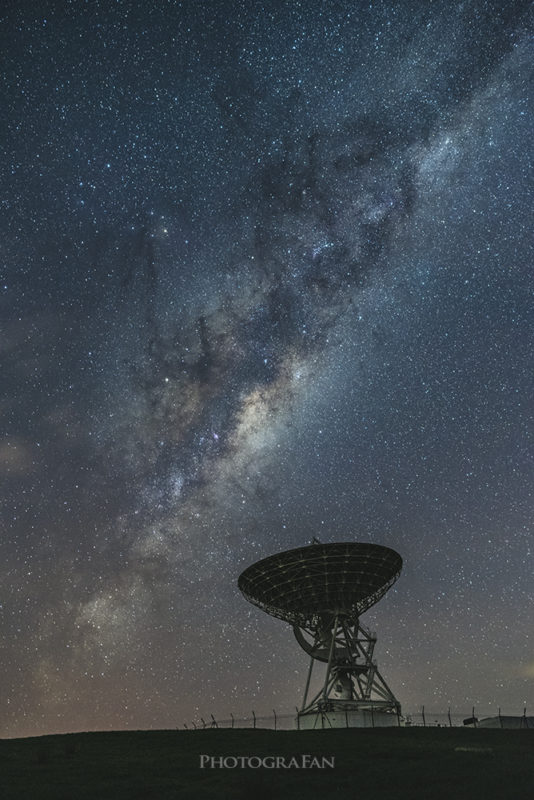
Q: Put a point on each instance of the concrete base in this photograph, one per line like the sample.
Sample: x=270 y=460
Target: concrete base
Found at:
x=340 y=718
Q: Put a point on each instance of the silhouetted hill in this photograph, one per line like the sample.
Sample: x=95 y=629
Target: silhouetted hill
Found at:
x=395 y=763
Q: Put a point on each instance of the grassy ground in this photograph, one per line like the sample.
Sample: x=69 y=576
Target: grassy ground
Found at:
x=405 y=764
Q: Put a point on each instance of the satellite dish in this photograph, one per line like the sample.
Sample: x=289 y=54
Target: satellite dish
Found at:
x=322 y=590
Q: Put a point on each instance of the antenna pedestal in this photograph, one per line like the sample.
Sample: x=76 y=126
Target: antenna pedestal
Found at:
x=353 y=693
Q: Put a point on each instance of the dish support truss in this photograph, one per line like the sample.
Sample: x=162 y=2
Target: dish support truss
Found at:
x=352 y=682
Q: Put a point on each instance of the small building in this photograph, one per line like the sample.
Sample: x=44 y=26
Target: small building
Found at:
x=500 y=722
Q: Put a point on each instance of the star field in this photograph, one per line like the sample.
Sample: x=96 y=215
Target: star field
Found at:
x=266 y=275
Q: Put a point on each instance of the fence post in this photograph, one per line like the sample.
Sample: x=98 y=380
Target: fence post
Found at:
x=298 y=718
x=203 y=723
x=423 y=715
x=274 y=712
x=254 y=716
x=214 y=722
x=372 y=717
x=474 y=718
x=449 y=715
x=232 y=716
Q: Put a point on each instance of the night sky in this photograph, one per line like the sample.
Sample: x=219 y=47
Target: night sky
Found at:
x=266 y=275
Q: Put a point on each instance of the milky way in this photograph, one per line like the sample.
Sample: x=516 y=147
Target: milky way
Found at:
x=266 y=275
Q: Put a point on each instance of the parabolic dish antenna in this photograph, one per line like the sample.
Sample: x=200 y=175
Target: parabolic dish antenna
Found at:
x=296 y=585
x=322 y=590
